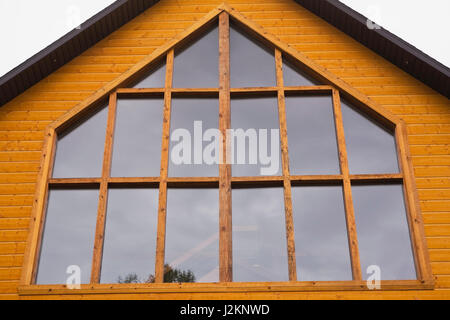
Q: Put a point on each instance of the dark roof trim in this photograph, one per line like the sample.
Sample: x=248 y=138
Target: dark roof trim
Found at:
x=381 y=41
x=394 y=49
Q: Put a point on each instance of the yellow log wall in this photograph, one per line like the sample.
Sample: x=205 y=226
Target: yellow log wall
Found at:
x=427 y=114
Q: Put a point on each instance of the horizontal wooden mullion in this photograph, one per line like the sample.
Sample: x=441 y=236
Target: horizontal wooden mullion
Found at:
x=297 y=180
x=162 y=90
x=154 y=181
x=147 y=93
x=256 y=182
x=140 y=90
x=308 y=89
x=235 y=91
x=127 y=92
x=193 y=182
x=86 y=289
x=193 y=185
x=357 y=178
x=194 y=90
x=257 y=178
x=74 y=182
x=195 y=93
x=134 y=183
x=192 y=179
x=132 y=180
x=159 y=92
x=376 y=178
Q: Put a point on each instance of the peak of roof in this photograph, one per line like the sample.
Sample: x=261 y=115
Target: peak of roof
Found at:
x=381 y=41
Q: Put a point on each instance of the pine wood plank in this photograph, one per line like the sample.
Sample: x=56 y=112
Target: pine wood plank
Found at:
x=14 y=223
x=289 y=220
x=412 y=105
x=347 y=189
x=162 y=202
x=103 y=192
x=12 y=248
x=19 y=156
x=8 y=274
x=222 y=288
x=421 y=257
x=225 y=207
x=11 y=261
x=13 y=235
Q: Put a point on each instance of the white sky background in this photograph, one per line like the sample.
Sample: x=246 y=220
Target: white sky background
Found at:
x=28 y=26
x=422 y=23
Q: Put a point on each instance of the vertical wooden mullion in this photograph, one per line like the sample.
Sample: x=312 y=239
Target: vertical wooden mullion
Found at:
x=225 y=217
x=415 y=223
x=162 y=203
x=103 y=192
x=289 y=220
x=348 y=200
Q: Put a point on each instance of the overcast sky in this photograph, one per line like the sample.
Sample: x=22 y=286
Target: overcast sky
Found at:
x=423 y=24
x=27 y=26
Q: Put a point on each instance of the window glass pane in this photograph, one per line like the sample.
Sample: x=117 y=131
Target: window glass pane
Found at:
x=370 y=147
x=68 y=236
x=192 y=235
x=259 y=235
x=295 y=77
x=155 y=78
x=251 y=64
x=197 y=66
x=192 y=149
x=311 y=135
x=79 y=150
x=383 y=233
x=256 y=147
x=130 y=236
x=137 y=138
x=321 y=242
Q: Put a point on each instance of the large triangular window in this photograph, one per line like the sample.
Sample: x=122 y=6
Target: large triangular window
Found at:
x=227 y=159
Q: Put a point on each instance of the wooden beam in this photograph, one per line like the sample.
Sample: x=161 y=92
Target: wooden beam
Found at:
x=162 y=204
x=175 y=180
x=121 y=91
x=257 y=90
x=196 y=91
x=289 y=220
x=306 y=90
x=376 y=178
x=103 y=192
x=316 y=178
x=221 y=288
x=225 y=222
x=293 y=89
x=74 y=181
x=347 y=188
x=132 y=180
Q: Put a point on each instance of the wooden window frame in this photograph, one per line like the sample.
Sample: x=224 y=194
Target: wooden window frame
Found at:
x=225 y=181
